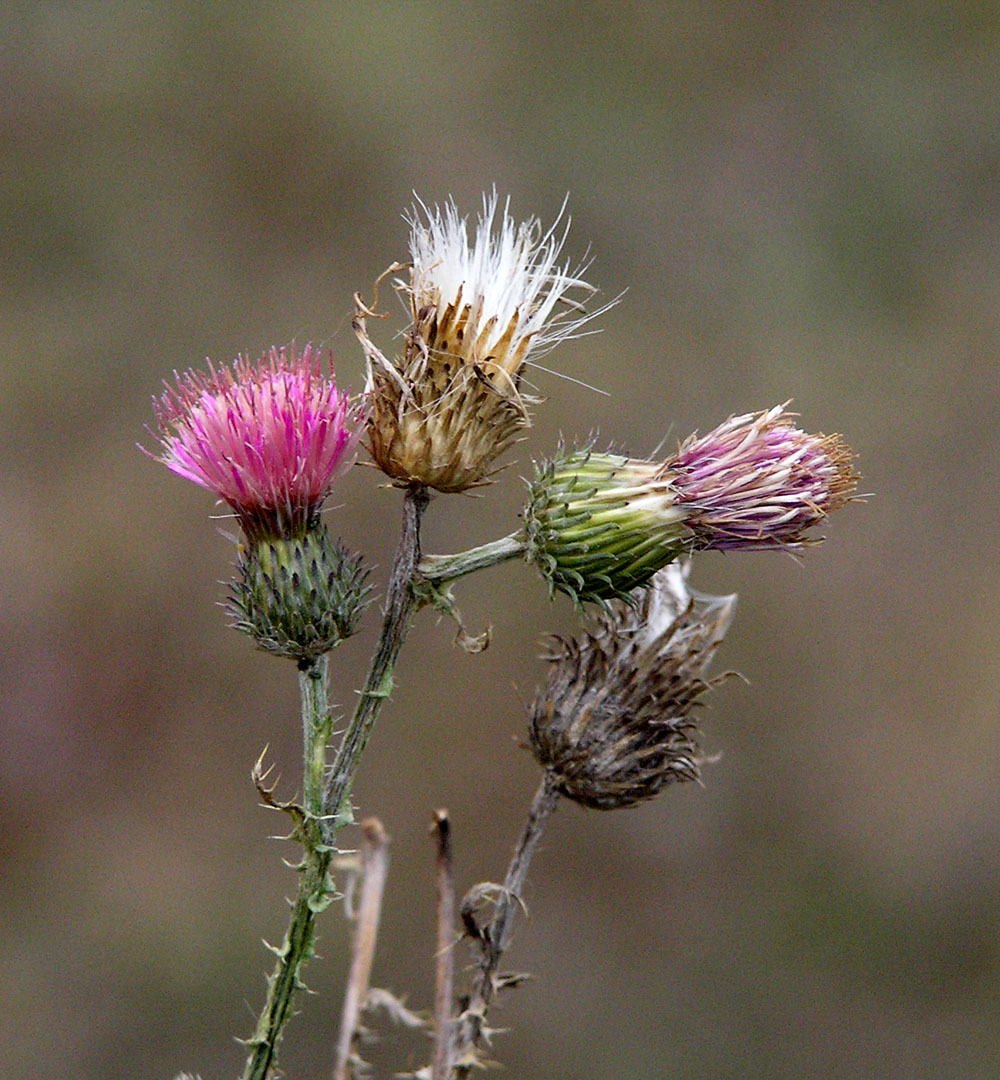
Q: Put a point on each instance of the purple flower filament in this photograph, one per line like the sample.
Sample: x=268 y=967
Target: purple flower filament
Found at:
x=269 y=438
x=757 y=481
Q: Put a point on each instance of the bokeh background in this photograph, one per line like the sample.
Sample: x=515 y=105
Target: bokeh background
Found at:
x=802 y=202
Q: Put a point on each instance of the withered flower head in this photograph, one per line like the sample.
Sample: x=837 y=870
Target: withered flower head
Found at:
x=452 y=403
x=614 y=723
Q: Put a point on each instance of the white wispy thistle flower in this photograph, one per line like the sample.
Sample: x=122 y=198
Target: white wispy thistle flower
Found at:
x=507 y=286
x=481 y=308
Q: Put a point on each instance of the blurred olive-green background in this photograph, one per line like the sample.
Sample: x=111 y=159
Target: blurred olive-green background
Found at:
x=803 y=201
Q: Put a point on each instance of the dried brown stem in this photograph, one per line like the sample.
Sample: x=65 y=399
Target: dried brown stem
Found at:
x=445 y=966
x=400 y=606
x=493 y=939
x=375 y=863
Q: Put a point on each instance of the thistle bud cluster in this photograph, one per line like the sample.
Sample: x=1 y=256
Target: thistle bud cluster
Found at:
x=614 y=723
x=270 y=439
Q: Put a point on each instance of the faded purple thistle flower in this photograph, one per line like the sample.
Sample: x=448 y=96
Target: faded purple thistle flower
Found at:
x=598 y=525
x=614 y=723
x=480 y=309
x=269 y=438
x=757 y=481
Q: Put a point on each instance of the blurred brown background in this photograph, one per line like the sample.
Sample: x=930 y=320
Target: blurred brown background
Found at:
x=802 y=201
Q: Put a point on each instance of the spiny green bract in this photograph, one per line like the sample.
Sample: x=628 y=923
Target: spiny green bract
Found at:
x=599 y=525
x=298 y=598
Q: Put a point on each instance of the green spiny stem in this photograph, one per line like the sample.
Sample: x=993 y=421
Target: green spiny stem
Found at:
x=439 y=569
x=400 y=605
x=315 y=888
x=316 y=726
x=314 y=894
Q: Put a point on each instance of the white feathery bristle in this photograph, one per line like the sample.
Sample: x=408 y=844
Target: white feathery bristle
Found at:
x=509 y=272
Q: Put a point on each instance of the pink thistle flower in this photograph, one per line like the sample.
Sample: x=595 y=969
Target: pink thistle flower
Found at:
x=757 y=481
x=600 y=525
x=269 y=438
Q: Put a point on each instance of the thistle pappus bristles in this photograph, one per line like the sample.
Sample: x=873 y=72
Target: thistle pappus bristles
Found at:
x=480 y=309
x=506 y=289
x=614 y=723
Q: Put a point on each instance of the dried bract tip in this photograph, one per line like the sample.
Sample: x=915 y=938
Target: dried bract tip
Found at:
x=758 y=481
x=269 y=438
x=600 y=525
x=452 y=404
x=613 y=724
x=298 y=598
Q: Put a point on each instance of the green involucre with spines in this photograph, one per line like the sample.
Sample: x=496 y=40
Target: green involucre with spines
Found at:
x=299 y=598
x=599 y=525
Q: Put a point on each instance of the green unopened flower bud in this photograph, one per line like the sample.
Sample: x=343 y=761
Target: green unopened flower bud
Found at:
x=599 y=525
x=298 y=598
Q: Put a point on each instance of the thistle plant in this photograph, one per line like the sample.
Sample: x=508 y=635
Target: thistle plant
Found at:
x=615 y=721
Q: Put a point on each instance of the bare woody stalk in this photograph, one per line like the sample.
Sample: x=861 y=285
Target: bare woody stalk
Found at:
x=375 y=864
x=445 y=963
x=470 y=1028
x=318 y=832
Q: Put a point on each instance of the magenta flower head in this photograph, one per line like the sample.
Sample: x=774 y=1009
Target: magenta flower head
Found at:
x=269 y=438
x=757 y=481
